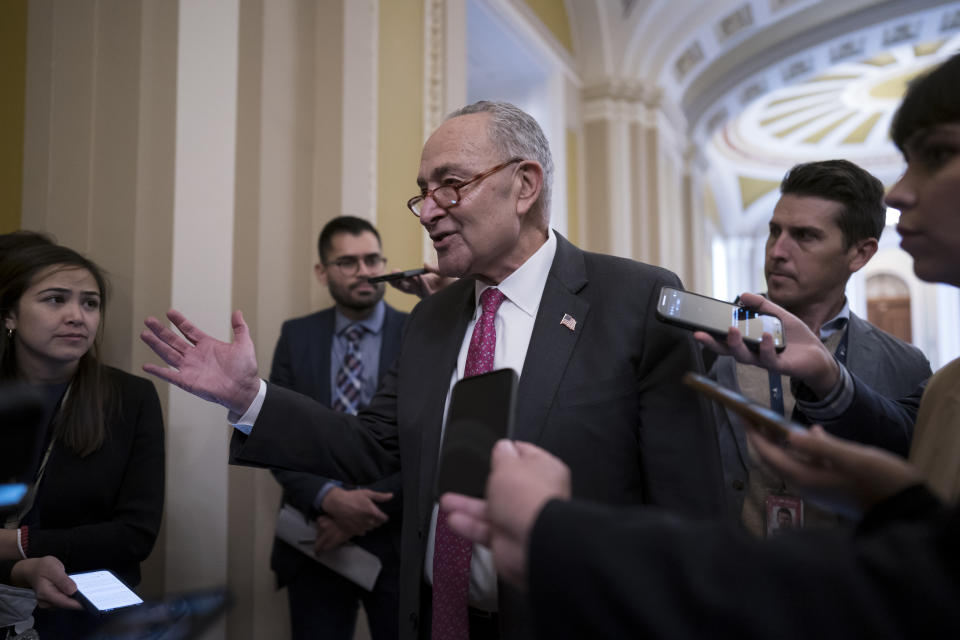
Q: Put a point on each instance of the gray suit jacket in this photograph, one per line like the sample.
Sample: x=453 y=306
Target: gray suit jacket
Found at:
x=886 y=372
x=605 y=397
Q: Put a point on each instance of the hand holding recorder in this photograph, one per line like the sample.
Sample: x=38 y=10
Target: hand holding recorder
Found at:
x=419 y=282
x=804 y=357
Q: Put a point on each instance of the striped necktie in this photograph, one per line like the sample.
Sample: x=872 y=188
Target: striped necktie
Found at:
x=350 y=376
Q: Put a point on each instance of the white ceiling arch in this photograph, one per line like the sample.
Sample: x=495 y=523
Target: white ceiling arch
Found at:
x=730 y=83
x=721 y=65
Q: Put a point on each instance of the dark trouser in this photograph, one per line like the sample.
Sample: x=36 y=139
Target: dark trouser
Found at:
x=64 y=624
x=324 y=604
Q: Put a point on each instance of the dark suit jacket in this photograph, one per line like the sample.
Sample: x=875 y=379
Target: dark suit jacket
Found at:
x=897 y=576
x=103 y=511
x=886 y=372
x=301 y=362
x=605 y=397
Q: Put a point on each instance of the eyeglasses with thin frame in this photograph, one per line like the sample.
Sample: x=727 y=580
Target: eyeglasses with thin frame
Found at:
x=350 y=265
x=448 y=195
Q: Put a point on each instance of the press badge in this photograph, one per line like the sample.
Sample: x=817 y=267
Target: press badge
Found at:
x=783 y=513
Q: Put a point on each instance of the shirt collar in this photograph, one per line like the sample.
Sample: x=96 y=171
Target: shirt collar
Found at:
x=837 y=322
x=372 y=323
x=524 y=287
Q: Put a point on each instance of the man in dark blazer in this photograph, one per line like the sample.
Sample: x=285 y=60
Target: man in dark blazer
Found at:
x=307 y=358
x=824 y=228
x=599 y=375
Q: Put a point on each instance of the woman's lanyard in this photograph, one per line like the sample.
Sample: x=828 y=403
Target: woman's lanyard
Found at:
x=776 y=386
x=14 y=519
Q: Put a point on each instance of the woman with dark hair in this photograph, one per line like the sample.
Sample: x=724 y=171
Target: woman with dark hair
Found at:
x=97 y=497
x=15 y=240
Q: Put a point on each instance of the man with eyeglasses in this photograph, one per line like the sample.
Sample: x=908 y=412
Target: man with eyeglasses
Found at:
x=338 y=357
x=599 y=376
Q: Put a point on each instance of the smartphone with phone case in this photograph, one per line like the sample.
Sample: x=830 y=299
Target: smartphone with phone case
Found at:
x=102 y=592
x=700 y=313
x=480 y=413
x=773 y=425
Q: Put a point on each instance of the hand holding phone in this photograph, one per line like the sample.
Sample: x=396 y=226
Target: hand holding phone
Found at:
x=716 y=317
x=770 y=423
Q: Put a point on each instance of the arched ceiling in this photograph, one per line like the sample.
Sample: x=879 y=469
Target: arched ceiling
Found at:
x=764 y=84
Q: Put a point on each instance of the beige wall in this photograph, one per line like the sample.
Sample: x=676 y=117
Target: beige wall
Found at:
x=13 y=71
x=597 y=169
x=400 y=133
x=574 y=217
x=640 y=185
x=553 y=15
x=195 y=150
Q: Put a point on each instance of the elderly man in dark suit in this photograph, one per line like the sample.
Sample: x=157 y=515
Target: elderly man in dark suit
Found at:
x=338 y=357
x=599 y=375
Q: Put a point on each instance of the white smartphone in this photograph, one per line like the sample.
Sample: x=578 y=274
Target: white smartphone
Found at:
x=101 y=591
x=700 y=313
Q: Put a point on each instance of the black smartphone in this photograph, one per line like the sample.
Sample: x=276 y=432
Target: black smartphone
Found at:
x=21 y=433
x=399 y=275
x=700 y=313
x=481 y=412
x=773 y=425
x=102 y=592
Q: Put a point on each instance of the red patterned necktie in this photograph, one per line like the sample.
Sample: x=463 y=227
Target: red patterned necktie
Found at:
x=451 y=553
x=349 y=379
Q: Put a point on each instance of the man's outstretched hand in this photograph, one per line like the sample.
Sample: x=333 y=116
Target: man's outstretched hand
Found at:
x=221 y=372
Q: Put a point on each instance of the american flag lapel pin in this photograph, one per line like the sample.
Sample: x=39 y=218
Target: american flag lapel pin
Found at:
x=569 y=322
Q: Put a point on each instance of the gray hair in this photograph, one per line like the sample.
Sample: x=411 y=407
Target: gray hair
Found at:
x=516 y=134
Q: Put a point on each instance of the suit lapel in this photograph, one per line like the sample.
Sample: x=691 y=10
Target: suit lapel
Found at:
x=551 y=343
x=390 y=343
x=321 y=344
x=859 y=347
